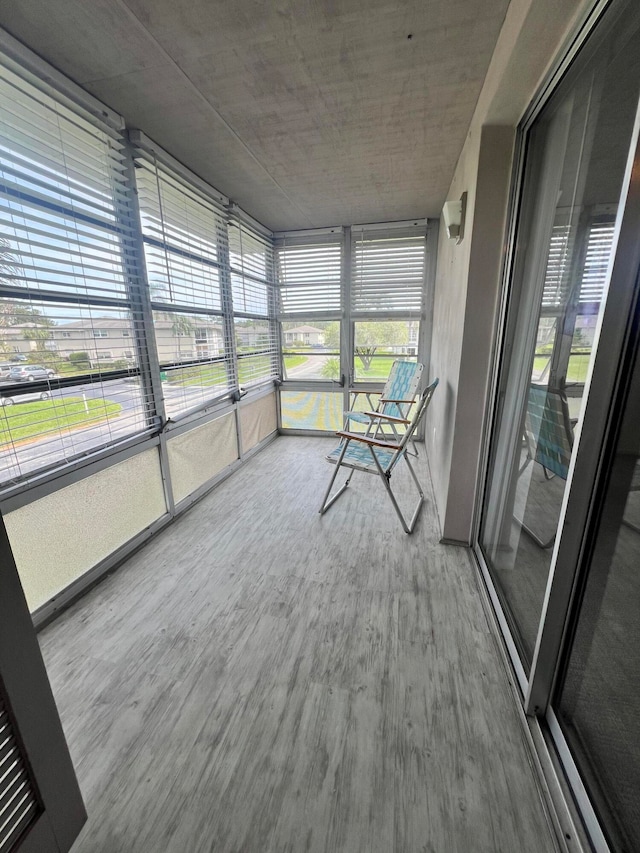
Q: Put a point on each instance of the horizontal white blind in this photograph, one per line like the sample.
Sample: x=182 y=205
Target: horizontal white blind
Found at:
x=387 y=272
x=69 y=325
x=185 y=235
x=308 y=277
x=557 y=274
x=186 y=253
x=61 y=190
x=594 y=274
x=70 y=382
x=257 y=350
x=560 y=261
x=252 y=271
x=195 y=356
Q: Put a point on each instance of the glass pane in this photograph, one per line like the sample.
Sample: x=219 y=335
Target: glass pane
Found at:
x=185 y=388
x=257 y=351
x=599 y=702
x=194 y=360
x=184 y=337
x=43 y=428
x=576 y=157
x=378 y=343
x=311 y=350
x=312 y=410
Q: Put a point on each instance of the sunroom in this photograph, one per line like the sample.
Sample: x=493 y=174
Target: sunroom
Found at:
x=220 y=228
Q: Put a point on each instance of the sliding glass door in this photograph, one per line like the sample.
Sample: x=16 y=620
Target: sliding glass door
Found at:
x=559 y=534
x=576 y=156
x=597 y=701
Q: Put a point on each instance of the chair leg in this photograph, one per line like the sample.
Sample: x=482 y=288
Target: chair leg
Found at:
x=326 y=503
x=408 y=528
x=532 y=535
x=520 y=522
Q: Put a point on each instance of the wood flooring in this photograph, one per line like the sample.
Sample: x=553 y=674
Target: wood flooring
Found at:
x=261 y=679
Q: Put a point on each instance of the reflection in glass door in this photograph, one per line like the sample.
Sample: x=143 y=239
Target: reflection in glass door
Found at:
x=576 y=155
x=598 y=700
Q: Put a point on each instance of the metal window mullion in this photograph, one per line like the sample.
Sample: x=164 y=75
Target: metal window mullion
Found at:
x=144 y=333
x=428 y=296
x=604 y=393
x=426 y=313
x=226 y=298
x=346 y=329
x=139 y=294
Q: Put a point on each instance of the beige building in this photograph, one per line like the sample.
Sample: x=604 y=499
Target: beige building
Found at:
x=309 y=336
x=108 y=340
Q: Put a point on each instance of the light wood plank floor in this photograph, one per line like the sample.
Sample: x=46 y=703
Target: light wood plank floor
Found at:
x=260 y=678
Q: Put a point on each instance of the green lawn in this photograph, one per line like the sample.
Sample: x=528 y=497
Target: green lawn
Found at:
x=577 y=370
x=378 y=371
x=29 y=420
x=215 y=374
x=294 y=361
x=210 y=374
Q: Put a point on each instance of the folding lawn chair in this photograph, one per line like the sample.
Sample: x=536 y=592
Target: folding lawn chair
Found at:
x=395 y=401
x=365 y=452
x=548 y=433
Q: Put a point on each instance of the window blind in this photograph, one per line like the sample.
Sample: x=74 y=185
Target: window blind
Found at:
x=309 y=276
x=594 y=274
x=557 y=274
x=186 y=253
x=66 y=238
x=252 y=270
x=388 y=270
x=61 y=186
x=185 y=238
x=253 y=295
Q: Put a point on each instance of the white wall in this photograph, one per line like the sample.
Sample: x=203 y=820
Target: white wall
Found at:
x=468 y=275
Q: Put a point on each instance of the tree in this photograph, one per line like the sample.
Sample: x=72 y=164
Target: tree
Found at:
x=331 y=369
x=39 y=334
x=332 y=336
x=9 y=270
x=378 y=333
x=80 y=359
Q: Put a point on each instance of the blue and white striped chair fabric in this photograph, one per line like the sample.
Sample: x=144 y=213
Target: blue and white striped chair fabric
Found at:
x=365 y=452
x=548 y=434
x=397 y=395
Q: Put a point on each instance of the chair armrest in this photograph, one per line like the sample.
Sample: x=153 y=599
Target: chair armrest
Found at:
x=387 y=417
x=365 y=439
x=387 y=400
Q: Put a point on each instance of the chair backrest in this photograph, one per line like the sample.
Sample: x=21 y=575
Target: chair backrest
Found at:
x=421 y=408
x=402 y=384
x=548 y=429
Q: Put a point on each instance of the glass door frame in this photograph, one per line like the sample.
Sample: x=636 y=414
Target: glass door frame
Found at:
x=603 y=400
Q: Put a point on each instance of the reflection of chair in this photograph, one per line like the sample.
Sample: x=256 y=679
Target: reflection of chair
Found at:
x=365 y=452
x=395 y=401
x=549 y=438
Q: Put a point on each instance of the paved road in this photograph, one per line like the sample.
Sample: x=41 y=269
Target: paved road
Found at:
x=311 y=368
x=63 y=444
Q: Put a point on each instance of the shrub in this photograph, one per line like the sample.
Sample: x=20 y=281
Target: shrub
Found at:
x=80 y=359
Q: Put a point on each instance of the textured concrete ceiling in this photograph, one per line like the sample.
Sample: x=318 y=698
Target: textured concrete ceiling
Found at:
x=304 y=113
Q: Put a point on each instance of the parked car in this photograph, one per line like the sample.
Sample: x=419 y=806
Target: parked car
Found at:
x=4 y=369
x=29 y=373
x=24 y=398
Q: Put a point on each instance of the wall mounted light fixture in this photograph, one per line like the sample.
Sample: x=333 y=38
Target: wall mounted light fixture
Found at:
x=453 y=214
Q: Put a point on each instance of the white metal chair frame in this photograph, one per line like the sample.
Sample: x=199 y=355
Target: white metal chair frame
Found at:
x=382 y=462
